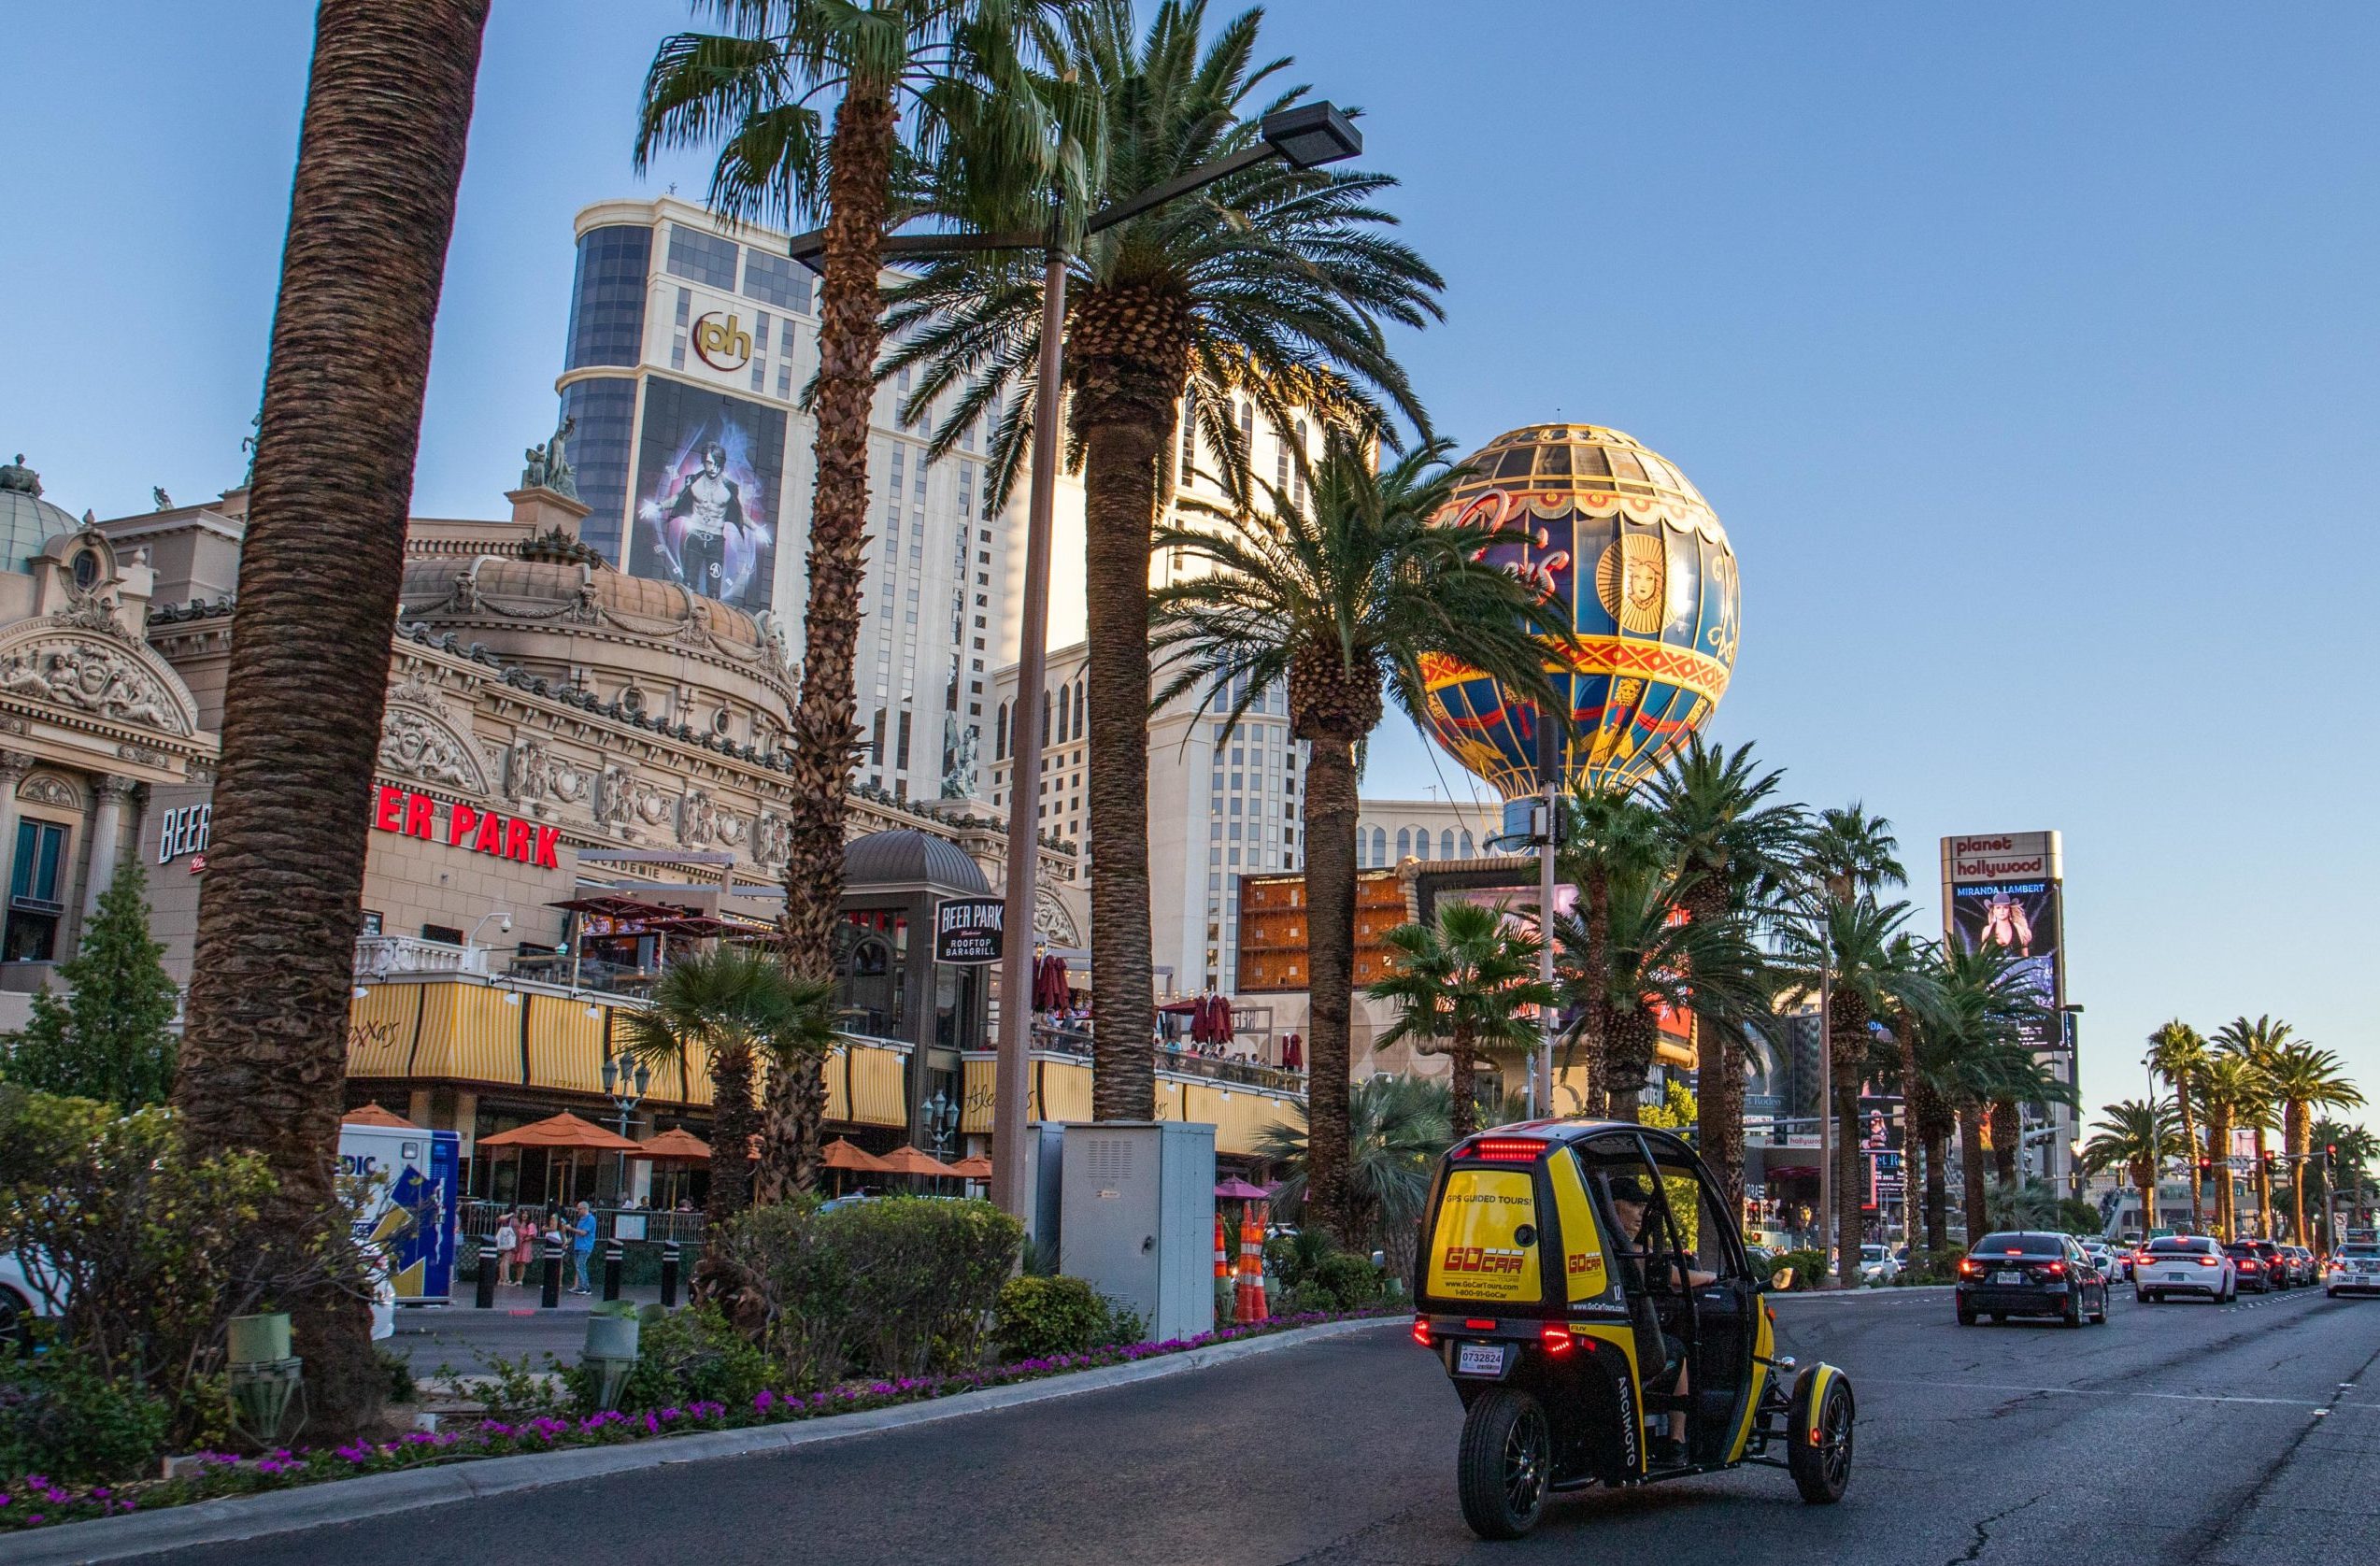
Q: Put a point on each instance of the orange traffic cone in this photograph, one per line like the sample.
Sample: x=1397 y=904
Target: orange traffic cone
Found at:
x=1222 y=1267
x=1250 y=1296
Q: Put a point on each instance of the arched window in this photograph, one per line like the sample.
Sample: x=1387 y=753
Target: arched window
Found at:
x=1064 y=695
x=1421 y=844
x=1404 y=842
x=1045 y=720
x=1468 y=850
x=1379 y=847
x=1000 y=735
x=1446 y=843
x=1078 y=708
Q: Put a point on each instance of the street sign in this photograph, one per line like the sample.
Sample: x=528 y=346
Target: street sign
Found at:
x=966 y=931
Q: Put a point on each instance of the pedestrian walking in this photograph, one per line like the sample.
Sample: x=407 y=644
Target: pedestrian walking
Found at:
x=507 y=1240
x=525 y=1253
x=582 y=1248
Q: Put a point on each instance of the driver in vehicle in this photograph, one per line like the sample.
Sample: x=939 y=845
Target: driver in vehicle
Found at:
x=1632 y=1204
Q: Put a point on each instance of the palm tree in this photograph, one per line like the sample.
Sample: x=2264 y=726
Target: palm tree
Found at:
x=2259 y=1043
x=946 y=77
x=2236 y=1096
x=1343 y=602
x=2177 y=1053
x=1872 y=973
x=2351 y=1150
x=1607 y=835
x=264 y=1054
x=1851 y=853
x=1988 y=1006
x=740 y=1011
x=1269 y=286
x=2305 y=1079
x=1468 y=984
x=1655 y=960
x=1734 y=845
x=1397 y=1127
x=2136 y=1137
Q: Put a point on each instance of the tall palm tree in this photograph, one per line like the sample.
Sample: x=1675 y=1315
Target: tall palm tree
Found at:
x=2177 y=1053
x=1852 y=853
x=740 y=1011
x=264 y=1054
x=1268 y=287
x=2352 y=1151
x=2233 y=1091
x=2136 y=1137
x=913 y=82
x=1343 y=601
x=1872 y=973
x=2259 y=1043
x=1984 y=1008
x=1607 y=836
x=1655 y=960
x=1469 y=986
x=1733 y=844
x=2305 y=1079
x=1397 y=1127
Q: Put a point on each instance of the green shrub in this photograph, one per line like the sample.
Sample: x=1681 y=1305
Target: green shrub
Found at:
x=689 y=1355
x=1809 y=1268
x=59 y=1417
x=400 y=1375
x=1291 y=1259
x=1934 y=1267
x=1039 y=1317
x=1347 y=1281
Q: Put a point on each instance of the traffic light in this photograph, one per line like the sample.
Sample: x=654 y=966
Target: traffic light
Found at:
x=2205 y=1169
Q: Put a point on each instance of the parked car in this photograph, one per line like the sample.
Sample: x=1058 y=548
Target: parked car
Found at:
x=1876 y=1265
x=2030 y=1272
x=22 y=1303
x=2173 y=1265
x=2355 y=1269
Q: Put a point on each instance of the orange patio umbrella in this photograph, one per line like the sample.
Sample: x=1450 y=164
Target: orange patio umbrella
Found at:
x=910 y=1160
x=975 y=1167
x=562 y=1132
x=373 y=1115
x=673 y=1146
x=844 y=1153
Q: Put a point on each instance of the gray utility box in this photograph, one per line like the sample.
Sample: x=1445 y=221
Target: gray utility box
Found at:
x=1044 y=1156
x=1138 y=1217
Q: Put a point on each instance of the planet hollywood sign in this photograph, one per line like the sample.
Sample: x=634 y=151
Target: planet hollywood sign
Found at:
x=2001 y=857
x=485 y=832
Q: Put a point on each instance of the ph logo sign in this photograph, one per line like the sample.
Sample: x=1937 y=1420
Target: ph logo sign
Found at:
x=721 y=343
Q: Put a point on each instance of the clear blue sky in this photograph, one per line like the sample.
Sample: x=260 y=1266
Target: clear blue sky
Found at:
x=2030 y=352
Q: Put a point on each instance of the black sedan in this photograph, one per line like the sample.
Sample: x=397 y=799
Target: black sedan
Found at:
x=2030 y=1272
x=2259 y=1273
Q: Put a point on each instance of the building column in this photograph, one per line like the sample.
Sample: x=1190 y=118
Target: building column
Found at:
x=14 y=764
x=107 y=840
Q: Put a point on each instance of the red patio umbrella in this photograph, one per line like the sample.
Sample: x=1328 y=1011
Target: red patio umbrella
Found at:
x=373 y=1115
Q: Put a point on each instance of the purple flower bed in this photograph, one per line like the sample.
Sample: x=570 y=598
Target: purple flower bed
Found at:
x=33 y=1502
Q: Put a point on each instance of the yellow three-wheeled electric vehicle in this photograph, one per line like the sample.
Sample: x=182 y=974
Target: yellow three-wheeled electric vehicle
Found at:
x=1587 y=1288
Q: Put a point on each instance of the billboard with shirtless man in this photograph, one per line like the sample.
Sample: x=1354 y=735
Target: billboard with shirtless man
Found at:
x=709 y=470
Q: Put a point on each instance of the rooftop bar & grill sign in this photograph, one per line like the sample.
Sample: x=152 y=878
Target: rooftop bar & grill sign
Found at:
x=966 y=930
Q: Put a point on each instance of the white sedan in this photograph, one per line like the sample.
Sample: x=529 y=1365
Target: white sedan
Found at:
x=2173 y=1265
x=1876 y=1265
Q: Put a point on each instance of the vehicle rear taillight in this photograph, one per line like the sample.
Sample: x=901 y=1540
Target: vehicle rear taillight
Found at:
x=1970 y=1267
x=1421 y=1331
x=1506 y=1149
x=2247 y=1264
x=1475 y=1324
x=2210 y=1262
x=2055 y=1269
x=1555 y=1336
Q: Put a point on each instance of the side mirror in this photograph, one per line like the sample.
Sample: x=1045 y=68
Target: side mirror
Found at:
x=1780 y=1282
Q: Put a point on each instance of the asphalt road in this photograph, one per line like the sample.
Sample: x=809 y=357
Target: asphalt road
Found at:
x=2246 y=1436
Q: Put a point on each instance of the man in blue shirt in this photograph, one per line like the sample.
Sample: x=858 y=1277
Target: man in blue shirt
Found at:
x=582 y=1248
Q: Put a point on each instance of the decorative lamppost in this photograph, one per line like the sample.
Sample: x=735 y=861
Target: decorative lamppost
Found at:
x=626 y=1080
x=941 y=1121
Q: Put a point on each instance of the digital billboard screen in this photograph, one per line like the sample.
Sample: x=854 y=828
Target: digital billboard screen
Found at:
x=709 y=469
x=2022 y=917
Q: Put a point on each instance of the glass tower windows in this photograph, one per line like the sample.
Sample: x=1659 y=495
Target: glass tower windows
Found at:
x=599 y=451
x=702 y=258
x=607 y=297
x=779 y=281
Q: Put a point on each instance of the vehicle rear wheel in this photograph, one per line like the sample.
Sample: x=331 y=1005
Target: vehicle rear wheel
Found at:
x=2099 y=1316
x=1819 y=1457
x=2143 y=1297
x=2072 y=1315
x=1506 y=1462
x=1966 y=1314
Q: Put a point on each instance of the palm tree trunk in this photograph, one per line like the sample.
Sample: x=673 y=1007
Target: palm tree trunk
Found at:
x=2189 y=1150
x=2293 y=1143
x=1971 y=1168
x=1632 y=1040
x=1937 y=1193
x=1463 y=1088
x=2007 y=1134
x=1328 y=817
x=1848 y=1161
x=263 y=1057
x=733 y=1119
x=1718 y=1082
x=824 y=726
x=2263 y=1190
x=2144 y=1177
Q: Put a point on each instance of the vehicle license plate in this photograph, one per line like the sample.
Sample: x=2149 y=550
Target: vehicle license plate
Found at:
x=2007 y=1277
x=1479 y=1358
x=2178 y=1275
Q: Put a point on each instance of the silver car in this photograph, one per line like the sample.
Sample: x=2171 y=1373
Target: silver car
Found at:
x=2173 y=1264
x=2355 y=1269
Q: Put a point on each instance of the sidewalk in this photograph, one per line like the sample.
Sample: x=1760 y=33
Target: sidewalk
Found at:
x=463 y=1337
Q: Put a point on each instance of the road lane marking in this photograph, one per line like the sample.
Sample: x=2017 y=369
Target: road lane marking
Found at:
x=2085 y=1392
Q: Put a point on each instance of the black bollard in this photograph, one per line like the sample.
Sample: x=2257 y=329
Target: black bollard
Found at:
x=486 y=1297
x=550 y=1298
x=669 y=1276
x=614 y=1252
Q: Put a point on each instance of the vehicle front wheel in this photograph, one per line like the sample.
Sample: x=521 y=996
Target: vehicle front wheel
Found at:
x=1819 y=1457
x=1505 y=1463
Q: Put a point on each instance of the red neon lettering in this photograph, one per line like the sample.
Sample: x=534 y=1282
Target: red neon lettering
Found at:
x=419 y=809
x=460 y=821
x=392 y=802
x=517 y=839
x=547 y=838
x=490 y=839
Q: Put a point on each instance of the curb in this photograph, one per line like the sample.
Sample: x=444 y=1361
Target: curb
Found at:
x=234 y=1518
x=1839 y=1295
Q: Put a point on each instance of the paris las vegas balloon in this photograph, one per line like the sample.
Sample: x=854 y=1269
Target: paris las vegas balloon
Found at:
x=1617 y=533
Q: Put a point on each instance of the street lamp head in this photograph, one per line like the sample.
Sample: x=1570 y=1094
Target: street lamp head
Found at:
x=1312 y=134
x=611 y=1074
x=644 y=1079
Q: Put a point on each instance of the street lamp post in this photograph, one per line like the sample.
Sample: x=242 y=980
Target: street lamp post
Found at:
x=626 y=1080
x=1305 y=137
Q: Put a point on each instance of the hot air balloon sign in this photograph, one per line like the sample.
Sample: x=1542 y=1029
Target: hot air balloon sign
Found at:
x=1614 y=532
